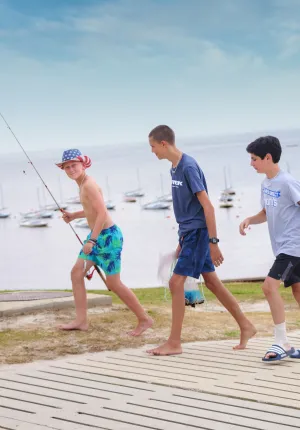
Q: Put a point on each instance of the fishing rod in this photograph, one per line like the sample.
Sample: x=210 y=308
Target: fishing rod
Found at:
x=52 y=196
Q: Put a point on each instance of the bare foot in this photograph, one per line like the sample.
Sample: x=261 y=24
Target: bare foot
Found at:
x=246 y=334
x=141 y=327
x=74 y=325
x=166 y=349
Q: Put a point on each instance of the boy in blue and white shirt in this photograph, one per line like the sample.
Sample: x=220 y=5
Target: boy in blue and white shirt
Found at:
x=198 y=249
x=280 y=202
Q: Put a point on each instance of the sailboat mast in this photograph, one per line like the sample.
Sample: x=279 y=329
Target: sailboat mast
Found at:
x=225 y=178
x=162 y=184
x=138 y=178
x=38 y=196
x=1 y=197
x=60 y=190
x=229 y=177
x=107 y=188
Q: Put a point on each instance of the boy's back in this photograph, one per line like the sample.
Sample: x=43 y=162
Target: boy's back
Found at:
x=279 y=198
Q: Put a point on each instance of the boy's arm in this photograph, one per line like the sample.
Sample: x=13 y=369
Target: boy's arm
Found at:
x=256 y=219
x=96 y=201
x=210 y=218
x=70 y=216
x=79 y=214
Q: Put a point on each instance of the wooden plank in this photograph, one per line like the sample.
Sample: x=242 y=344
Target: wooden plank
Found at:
x=46 y=393
x=180 y=366
x=12 y=424
x=112 y=380
x=85 y=387
x=125 y=373
x=229 y=406
x=220 y=414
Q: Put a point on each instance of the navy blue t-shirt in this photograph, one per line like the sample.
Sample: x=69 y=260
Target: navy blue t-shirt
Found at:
x=187 y=180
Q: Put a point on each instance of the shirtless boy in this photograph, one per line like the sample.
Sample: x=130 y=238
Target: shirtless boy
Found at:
x=102 y=247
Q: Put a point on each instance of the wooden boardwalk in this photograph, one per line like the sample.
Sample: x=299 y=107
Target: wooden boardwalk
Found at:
x=208 y=387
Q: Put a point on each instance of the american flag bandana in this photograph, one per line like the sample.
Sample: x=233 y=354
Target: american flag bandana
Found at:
x=74 y=155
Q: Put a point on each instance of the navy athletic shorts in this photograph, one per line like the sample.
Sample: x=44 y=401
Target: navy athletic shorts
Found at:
x=194 y=257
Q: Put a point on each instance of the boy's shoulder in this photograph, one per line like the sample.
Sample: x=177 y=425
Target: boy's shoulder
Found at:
x=282 y=179
x=189 y=161
x=90 y=183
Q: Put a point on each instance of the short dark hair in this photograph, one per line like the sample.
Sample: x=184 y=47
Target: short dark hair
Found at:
x=266 y=145
x=163 y=132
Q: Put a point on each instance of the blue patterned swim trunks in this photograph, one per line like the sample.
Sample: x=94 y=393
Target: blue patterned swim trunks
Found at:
x=107 y=252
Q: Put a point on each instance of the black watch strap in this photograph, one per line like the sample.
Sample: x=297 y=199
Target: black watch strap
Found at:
x=214 y=240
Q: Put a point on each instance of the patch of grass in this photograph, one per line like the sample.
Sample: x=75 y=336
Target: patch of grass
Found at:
x=245 y=291
x=8 y=337
x=232 y=333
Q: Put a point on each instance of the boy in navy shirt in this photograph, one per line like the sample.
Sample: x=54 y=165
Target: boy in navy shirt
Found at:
x=198 y=250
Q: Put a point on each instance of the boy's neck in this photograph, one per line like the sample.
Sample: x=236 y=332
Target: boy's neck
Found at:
x=273 y=171
x=81 y=179
x=174 y=155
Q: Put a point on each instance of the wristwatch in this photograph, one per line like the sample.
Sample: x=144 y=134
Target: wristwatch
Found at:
x=214 y=240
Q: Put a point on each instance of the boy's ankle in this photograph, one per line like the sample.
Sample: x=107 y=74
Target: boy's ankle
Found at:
x=174 y=342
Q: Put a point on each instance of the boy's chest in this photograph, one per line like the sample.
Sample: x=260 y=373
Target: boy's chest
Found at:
x=179 y=182
x=274 y=196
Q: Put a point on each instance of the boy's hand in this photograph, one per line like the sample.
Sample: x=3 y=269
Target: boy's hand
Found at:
x=68 y=216
x=245 y=224
x=87 y=249
x=216 y=254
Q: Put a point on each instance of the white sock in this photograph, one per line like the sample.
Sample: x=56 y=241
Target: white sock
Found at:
x=280 y=334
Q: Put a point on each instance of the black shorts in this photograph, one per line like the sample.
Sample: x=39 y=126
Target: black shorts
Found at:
x=286 y=268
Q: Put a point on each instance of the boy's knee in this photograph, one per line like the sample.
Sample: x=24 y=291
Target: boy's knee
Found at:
x=175 y=284
x=211 y=286
x=76 y=273
x=268 y=287
x=113 y=284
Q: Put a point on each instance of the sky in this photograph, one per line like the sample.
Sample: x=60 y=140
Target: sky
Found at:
x=77 y=73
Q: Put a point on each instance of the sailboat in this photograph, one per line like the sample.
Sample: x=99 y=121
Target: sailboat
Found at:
x=33 y=223
x=225 y=198
x=81 y=223
x=40 y=213
x=164 y=197
x=161 y=203
x=229 y=190
x=62 y=204
x=4 y=212
x=156 y=205
x=74 y=200
x=109 y=204
x=135 y=193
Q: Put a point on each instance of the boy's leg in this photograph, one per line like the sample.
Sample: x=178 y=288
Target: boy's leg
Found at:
x=271 y=291
x=296 y=292
x=214 y=284
x=173 y=344
x=78 y=272
x=115 y=284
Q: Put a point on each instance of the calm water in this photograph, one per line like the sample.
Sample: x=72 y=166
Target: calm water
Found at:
x=42 y=258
